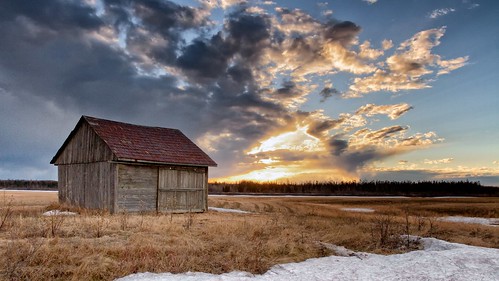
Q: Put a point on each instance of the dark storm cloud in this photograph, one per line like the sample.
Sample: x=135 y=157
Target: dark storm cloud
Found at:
x=355 y=160
x=243 y=38
x=352 y=160
x=241 y=42
x=205 y=59
x=385 y=132
x=79 y=71
x=288 y=90
x=54 y=14
x=338 y=146
x=153 y=28
x=163 y=15
x=328 y=92
x=320 y=128
x=51 y=61
x=240 y=74
x=158 y=16
x=343 y=32
x=248 y=34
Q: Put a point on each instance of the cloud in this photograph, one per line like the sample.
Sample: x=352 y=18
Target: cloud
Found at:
x=384 y=81
x=320 y=126
x=387 y=44
x=290 y=95
x=73 y=69
x=370 y=2
x=450 y=65
x=392 y=111
x=439 y=161
x=320 y=142
x=473 y=6
x=368 y=53
x=238 y=88
x=368 y=137
x=440 y=12
x=328 y=92
x=225 y=4
x=411 y=67
x=305 y=46
x=327 y=13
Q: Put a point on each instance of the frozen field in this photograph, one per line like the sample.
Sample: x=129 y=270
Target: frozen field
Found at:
x=439 y=260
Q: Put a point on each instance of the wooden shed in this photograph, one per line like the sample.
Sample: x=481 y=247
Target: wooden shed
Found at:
x=119 y=167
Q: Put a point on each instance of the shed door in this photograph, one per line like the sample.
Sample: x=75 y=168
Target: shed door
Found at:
x=181 y=189
x=136 y=188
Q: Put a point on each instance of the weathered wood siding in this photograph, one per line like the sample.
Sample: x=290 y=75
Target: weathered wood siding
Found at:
x=90 y=177
x=85 y=147
x=87 y=185
x=182 y=189
x=137 y=188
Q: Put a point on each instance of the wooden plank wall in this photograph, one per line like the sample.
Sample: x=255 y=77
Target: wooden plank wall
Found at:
x=133 y=188
x=182 y=189
x=137 y=188
x=85 y=147
x=87 y=185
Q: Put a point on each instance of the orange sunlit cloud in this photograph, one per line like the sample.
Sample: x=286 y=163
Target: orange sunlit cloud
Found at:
x=306 y=154
x=298 y=140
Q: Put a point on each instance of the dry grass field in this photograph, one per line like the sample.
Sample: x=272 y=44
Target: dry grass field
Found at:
x=98 y=246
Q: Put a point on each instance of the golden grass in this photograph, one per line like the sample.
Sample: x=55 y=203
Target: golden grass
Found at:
x=98 y=246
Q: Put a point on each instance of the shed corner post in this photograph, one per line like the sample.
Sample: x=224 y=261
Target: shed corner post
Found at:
x=115 y=191
x=206 y=191
x=158 y=178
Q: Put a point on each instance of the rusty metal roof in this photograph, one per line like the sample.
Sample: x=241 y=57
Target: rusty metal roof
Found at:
x=139 y=143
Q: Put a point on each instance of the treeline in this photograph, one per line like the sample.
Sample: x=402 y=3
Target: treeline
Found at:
x=28 y=184
x=359 y=188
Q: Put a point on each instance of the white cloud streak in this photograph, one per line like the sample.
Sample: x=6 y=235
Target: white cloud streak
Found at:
x=440 y=12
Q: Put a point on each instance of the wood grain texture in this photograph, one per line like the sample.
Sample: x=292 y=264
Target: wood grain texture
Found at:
x=88 y=185
x=137 y=188
x=85 y=147
x=181 y=189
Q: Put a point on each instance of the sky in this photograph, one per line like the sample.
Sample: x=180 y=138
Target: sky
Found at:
x=271 y=90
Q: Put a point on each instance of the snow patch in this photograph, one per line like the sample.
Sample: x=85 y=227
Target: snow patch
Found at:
x=485 y=221
x=439 y=260
x=342 y=251
x=224 y=210
x=58 y=213
x=360 y=210
x=29 y=190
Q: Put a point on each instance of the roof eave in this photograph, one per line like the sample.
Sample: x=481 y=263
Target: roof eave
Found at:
x=126 y=160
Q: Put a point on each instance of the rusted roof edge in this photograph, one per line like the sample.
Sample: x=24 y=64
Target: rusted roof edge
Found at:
x=131 y=161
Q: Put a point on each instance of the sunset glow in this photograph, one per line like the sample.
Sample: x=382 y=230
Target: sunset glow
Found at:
x=271 y=90
x=298 y=140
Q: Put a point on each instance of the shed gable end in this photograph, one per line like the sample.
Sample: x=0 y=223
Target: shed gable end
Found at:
x=83 y=146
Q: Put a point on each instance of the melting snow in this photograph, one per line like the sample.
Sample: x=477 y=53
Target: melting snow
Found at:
x=486 y=221
x=224 y=210
x=58 y=213
x=360 y=210
x=440 y=260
